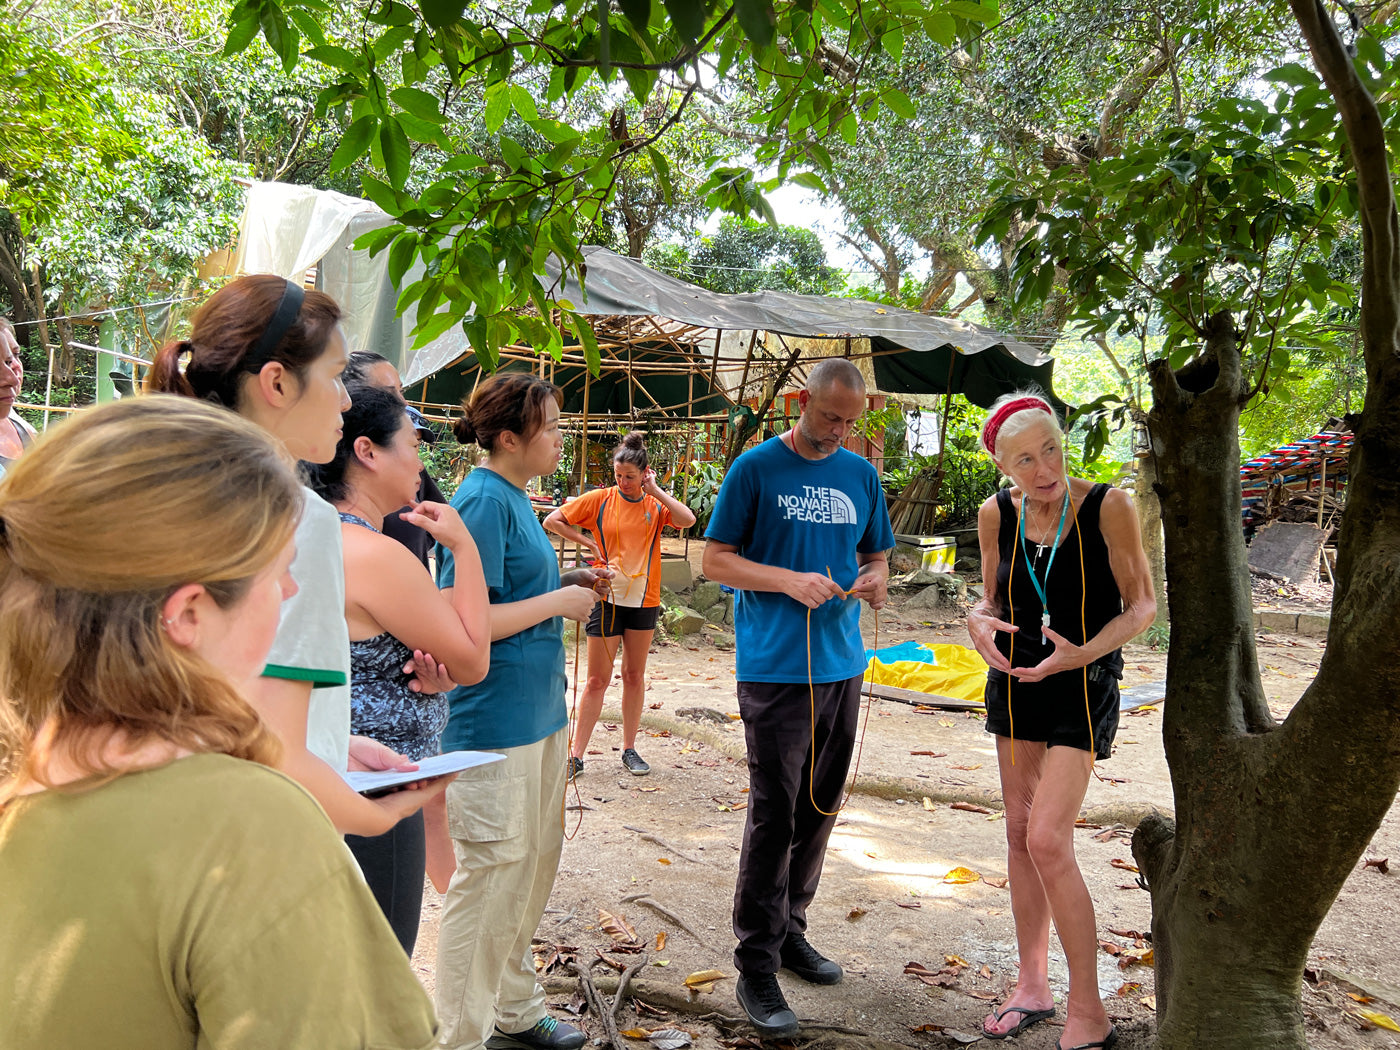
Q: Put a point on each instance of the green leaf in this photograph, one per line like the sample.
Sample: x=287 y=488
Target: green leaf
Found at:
x=811 y=180
x=662 y=167
x=941 y=28
x=401 y=255
x=241 y=32
x=336 y=57
x=604 y=44
x=497 y=107
x=688 y=16
x=355 y=143
x=592 y=356
x=440 y=13
x=419 y=103
x=898 y=103
x=523 y=103
x=757 y=19
x=393 y=143
x=280 y=34
x=435 y=326
x=638 y=12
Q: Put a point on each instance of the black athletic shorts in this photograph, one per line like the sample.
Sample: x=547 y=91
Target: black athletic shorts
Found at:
x=609 y=620
x=1053 y=711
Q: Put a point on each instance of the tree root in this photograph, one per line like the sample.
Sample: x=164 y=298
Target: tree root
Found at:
x=1152 y=844
x=676 y=998
x=647 y=836
x=598 y=1006
x=668 y=915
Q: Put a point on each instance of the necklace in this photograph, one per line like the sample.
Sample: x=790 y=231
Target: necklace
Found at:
x=1035 y=580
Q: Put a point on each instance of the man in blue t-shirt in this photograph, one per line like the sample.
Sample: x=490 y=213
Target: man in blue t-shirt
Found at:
x=800 y=530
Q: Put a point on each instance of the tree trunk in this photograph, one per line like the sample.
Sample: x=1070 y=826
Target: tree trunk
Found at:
x=1271 y=818
x=1149 y=511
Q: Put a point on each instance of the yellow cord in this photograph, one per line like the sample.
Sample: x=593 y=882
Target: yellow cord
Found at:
x=812 y=700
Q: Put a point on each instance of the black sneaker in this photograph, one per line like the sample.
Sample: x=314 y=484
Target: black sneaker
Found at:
x=548 y=1034
x=763 y=1003
x=634 y=763
x=575 y=767
x=808 y=963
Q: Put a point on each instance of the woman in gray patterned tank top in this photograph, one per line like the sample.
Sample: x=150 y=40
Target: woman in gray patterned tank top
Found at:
x=396 y=615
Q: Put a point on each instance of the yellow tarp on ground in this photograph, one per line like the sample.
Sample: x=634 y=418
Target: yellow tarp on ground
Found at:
x=957 y=671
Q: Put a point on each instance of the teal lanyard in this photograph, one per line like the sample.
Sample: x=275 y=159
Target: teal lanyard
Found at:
x=1035 y=580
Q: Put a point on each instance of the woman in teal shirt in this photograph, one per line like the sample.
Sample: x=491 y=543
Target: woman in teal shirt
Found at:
x=506 y=818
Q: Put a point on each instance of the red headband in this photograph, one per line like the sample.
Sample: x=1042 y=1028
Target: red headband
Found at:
x=1005 y=412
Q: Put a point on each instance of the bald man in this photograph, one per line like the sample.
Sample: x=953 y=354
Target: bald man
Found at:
x=800 y=530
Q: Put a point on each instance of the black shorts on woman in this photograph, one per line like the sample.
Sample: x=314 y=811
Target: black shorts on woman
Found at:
x=1082 y=597
x=609 y=620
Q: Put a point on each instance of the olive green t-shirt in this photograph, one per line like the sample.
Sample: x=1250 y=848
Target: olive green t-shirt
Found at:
x=204 y=904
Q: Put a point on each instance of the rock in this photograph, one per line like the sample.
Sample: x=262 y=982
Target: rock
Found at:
x=704 y=714
x=945 y=592
x=675 y=573
x=720 y=639
x=683 y=620
x=715 y=614
x=920 y=578
x=1276 y=621
x=969 y=539
x=1314 y=625
x=967 y=563
x=705 y=594
x=905 y=558
x=669 y=598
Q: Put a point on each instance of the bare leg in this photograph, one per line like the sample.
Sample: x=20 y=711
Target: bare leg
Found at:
x=442 y=858
x=601 y=652
x=1029 y=906
x=635 y=646
x=1050 y=840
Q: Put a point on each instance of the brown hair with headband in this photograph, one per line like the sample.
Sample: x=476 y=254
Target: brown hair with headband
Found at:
x=82 y=652
x=228 y=334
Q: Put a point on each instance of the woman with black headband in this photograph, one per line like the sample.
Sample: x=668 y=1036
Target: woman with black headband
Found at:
x=272 y=352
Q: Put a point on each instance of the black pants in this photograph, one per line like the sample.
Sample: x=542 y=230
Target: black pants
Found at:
x=785 y=836
x=393 y=865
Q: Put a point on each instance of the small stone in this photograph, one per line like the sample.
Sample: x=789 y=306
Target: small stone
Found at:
x=705 y=594
x=683 y=620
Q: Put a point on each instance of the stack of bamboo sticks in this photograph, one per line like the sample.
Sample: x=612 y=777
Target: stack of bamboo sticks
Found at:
x=915 y=510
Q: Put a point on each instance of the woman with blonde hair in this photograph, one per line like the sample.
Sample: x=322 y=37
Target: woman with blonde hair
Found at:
x=621 y=526
x=1067 y=583
x=204 y=898
x=272 y=351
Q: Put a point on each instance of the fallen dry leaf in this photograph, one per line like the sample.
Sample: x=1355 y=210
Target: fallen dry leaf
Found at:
x=1132 y=935
x=959 y=876
x=986 y=997
x=1381 y=864
x=635 y=1033
x=854 y=914
x=946 y=723
x=663 y=860
x=1361 y=998
x=1119 y=862
x=999 y=883
x=1380 y=1020
x=1134 y=956
x=661 y=962
x=931 y=754
x=969 y=807
x=956 y=960
x=872 y=854
x=670 y=1038
x=700 y=977
x=928 y=804
x=617 y=927
x=654 y=707
x=1129 y=989
x=1149 y=1001
x=1111 y=948
x=661 y=940
x=968 y=768
x=908 y=904
x=985 y=973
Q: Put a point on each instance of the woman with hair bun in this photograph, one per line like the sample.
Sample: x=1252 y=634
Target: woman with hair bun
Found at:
x=506 y=818
x=204 y=898
x=625 y=523
x=1067 y=583
x=273 y=352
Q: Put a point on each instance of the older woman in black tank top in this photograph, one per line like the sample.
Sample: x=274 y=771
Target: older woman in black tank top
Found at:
x=1067 y=583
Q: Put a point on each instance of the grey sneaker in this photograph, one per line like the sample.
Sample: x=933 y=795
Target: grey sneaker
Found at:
x=634 y=763
x=547 y=1034
x=575 y=767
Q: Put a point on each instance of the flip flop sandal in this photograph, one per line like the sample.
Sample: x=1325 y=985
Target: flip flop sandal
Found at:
x=1029 y=1016
x=1105 y=1044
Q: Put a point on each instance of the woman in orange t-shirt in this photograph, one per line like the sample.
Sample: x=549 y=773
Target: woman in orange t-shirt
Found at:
x=621 y=526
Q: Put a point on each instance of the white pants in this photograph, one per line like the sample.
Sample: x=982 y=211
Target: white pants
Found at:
x=507 y=832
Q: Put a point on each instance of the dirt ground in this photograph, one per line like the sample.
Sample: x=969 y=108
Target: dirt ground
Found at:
x=661 y=852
